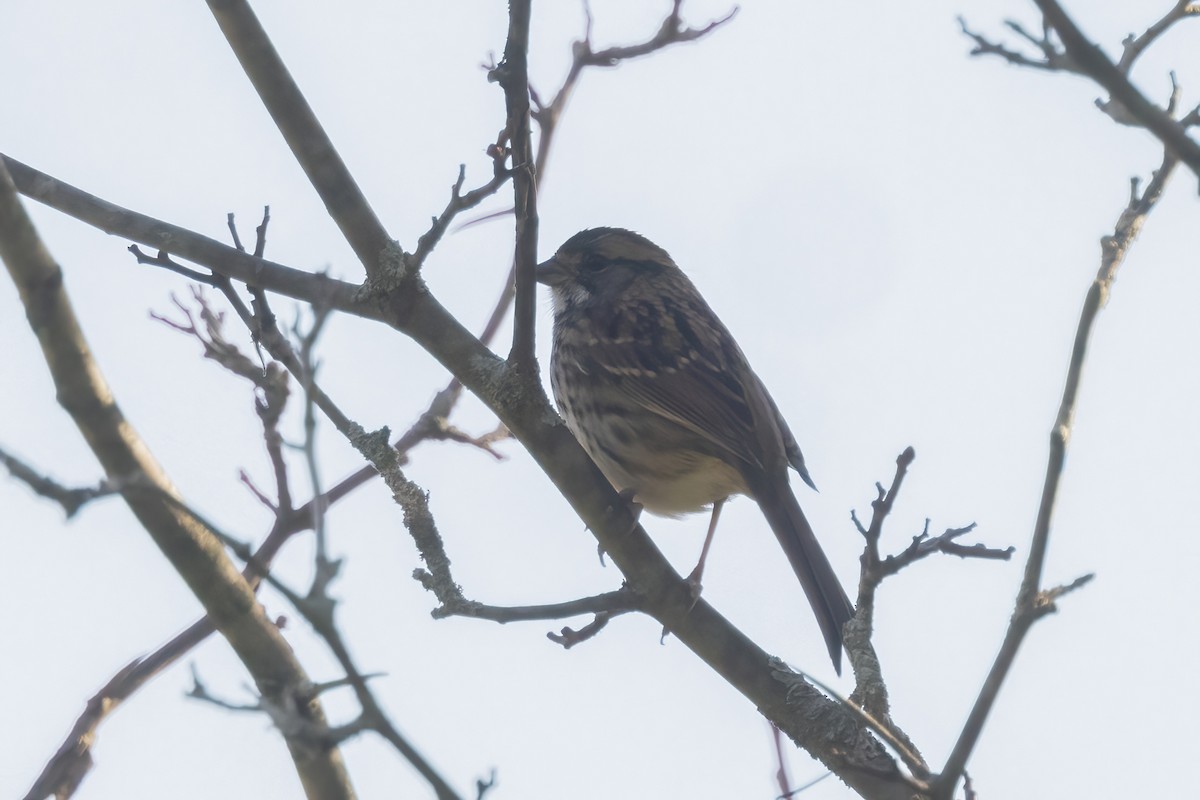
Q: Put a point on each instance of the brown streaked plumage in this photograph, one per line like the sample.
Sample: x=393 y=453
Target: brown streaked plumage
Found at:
x=657 y=391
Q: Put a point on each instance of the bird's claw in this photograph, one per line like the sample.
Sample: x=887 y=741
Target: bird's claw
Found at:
x=694 y=587
x=632 y=506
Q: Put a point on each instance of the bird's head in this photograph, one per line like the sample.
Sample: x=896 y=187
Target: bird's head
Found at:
x=602 y=262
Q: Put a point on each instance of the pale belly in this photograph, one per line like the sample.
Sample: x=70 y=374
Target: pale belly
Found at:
x=667 y=477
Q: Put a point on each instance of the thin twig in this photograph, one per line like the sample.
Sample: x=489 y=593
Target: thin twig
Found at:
x=1135 y=46
x=71 y=499
x=462 y=202
x=621 y=601
x=923 y=545
x=805 y=787
x=1052 y=59
x=782 y=778
x=308 y=372
x=163 y=259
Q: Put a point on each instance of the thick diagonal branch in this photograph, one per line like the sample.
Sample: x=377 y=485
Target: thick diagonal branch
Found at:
x=303 y=132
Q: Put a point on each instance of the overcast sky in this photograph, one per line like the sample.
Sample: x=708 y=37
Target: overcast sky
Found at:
x=899 y=236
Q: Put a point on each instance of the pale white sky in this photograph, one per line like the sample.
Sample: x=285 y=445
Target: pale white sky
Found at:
x=899 y=236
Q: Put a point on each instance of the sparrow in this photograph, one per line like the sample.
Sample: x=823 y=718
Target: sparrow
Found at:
x=656 y=390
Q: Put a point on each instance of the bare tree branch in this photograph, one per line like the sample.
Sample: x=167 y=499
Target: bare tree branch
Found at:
x=1079 y=55
x=460 y=202
x=1052 y=58
x=1133 y=46
x=513 y=76
x=318 y=609
x=1032 y=601
x=320 y=290
x=72 y=761
x=885 y=730
x=923 y=545
x=616 y=602
x=303 y=132
x=672 y=31
x=71 y=500
x=192 y=550
x=870 y=690
x=552 y=450
x=524 y=409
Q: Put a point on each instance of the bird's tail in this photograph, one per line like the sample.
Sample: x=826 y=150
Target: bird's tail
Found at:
x=829 y=601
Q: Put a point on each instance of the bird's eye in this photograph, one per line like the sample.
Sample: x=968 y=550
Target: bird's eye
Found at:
x=593 y=262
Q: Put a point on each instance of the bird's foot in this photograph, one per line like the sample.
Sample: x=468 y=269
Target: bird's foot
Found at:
x=628 y=504
x=631 y=505
x=694 y=585
x=692 y=581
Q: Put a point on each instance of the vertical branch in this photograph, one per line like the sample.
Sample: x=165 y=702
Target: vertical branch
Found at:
x=1033 y=602
x=513 y=76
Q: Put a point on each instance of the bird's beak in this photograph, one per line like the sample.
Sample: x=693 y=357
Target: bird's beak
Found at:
x=550 y=272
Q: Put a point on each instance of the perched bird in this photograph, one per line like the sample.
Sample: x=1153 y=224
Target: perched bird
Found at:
x=661 y=397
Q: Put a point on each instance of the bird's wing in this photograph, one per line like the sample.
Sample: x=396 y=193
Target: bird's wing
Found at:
x=695 y=377
x=790 y=446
